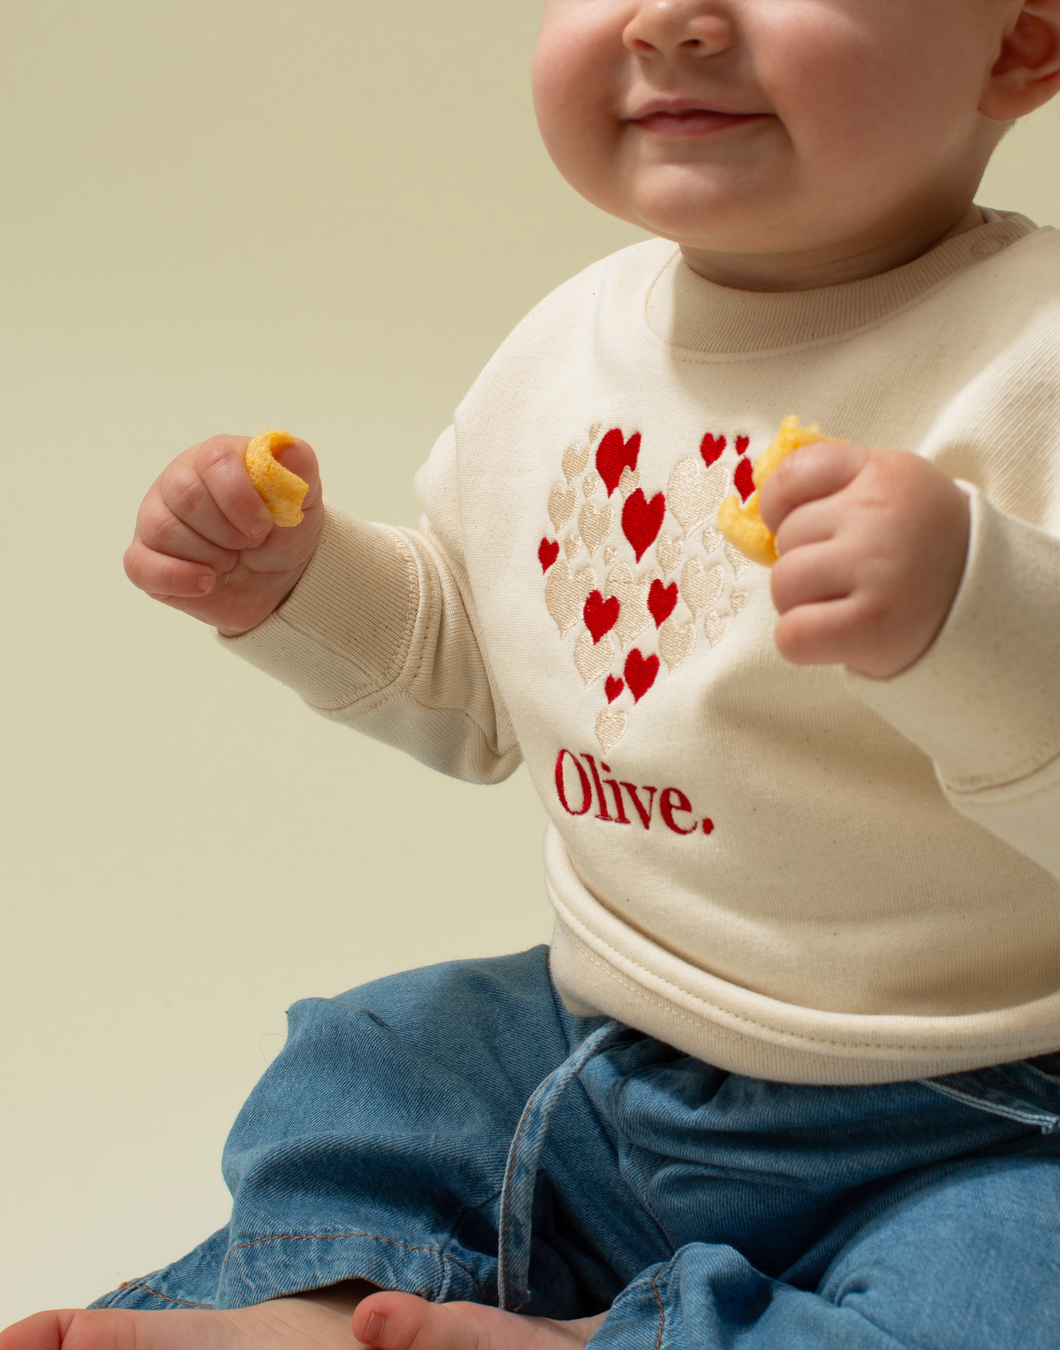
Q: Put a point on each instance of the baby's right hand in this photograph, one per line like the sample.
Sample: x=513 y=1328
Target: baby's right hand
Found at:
x=206 y=544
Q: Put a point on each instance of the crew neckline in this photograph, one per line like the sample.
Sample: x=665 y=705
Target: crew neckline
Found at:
x=686 y=310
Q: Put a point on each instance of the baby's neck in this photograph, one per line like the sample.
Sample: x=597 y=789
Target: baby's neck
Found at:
x=832 y=267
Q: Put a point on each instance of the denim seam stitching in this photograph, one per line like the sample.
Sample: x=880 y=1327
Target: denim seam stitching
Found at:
x=355 y=1233
x=662 y=1314
x=1024 y=1092
x=166 y=1298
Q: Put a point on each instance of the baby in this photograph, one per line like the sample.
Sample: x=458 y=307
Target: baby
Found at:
x=786 y=1076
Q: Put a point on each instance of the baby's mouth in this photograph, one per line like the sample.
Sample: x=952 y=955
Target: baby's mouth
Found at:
x=691 y=121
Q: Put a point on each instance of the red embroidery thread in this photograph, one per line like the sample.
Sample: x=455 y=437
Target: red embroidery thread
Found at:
x=603 y=813
x=640 y=672
x=744 y=479
x=547 y=553
x=645 y=816
x=662 y=601
x=615 y=454
x=642 y=520
x=600 y=615
x=742 y=442
x=711 y=448
x=613 y=687
x=583 y=778
x=671 y=800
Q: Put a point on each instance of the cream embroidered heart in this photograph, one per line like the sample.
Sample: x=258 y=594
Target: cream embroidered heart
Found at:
x=595 y=523
x=668 y=551
x=593 y=659
x=676 y=642
x=611 y=723
x=561 y=500
x=575 y=461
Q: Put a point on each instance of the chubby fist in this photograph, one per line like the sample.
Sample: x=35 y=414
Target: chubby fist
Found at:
x=871 y=545
x=206 y=544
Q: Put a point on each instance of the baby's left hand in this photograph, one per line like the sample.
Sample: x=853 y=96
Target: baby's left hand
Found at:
x=872 y=545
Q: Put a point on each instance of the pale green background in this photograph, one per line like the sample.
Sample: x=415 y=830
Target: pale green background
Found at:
x=222 y=215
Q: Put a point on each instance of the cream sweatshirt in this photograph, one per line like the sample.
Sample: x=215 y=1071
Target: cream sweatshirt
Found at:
x=793 y=873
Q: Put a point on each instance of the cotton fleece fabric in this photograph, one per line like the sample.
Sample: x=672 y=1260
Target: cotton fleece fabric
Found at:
x=793 y=873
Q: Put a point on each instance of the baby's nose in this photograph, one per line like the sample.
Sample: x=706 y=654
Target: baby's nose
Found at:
x=675 y=27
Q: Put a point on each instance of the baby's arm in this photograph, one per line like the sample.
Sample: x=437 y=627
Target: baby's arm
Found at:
x=872 y=545
x=205 y=542
x=951 y=604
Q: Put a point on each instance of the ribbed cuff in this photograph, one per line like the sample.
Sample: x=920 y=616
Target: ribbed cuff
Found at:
x=344 y=630
x=984 y=700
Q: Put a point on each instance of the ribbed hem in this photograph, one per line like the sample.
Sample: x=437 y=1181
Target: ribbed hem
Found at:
x=982 y=700
x=601 y=964
x=688 y=311
x=345 y=629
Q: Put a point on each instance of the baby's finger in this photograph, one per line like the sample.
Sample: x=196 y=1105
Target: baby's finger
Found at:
x=159 y=529
x=814 y=471
x=818 y=634
x=220 y=465
x=165 y=577
x=810 y=575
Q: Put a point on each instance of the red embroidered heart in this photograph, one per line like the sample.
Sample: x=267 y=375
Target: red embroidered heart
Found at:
x=642 y=520
x=600 y=615
x=661 y=601
x=742 y=442
x=640 y=673
x=744 y=479
x=616 y=454
x=710 y=447
x=612 y=688
x=547 y=553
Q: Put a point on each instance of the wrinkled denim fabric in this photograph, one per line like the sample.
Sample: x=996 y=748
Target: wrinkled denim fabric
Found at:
x=706 y=1210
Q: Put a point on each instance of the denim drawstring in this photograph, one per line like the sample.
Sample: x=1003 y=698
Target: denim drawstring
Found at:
x=520 y=1171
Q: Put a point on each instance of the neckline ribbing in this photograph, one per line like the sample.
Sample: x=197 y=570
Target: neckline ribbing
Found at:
x=685 y=310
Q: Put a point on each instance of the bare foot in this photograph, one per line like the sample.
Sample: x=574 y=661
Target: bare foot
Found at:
x=317 y=1321
x=390 y=1321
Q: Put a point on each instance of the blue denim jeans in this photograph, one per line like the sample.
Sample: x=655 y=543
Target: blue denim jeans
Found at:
x=704 y=1209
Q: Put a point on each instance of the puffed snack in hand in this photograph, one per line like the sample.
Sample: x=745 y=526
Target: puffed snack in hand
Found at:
x=281 y=490
x=740 y=522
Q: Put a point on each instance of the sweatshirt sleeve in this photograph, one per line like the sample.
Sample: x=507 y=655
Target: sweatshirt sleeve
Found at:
x=379 y=634
x=984 y=701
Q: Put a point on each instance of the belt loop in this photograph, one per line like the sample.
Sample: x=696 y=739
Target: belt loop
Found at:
x=520 y=1171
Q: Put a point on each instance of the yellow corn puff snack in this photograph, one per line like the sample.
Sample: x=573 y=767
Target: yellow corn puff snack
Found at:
x=740 y=522
x=281 y=490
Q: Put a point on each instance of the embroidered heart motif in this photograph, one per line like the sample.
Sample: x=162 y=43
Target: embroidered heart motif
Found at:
x=595 y=523
x=693 y=495
x=575 y=461
x=744 y=479
x=565 y=594
x=640 y=672
x=613 y=686
x=629 y=481
x=572 y=546
x=662 y=600
x=634 y=597
x=615 y=454
x=547 y=553
x=601 y=615
x=701 y=586
x=561 y=500
x=711 y=448
x=717 y=625
x=590 y=483
x=610 y=725
x=592 y=660
x=742 y=442
x=668 y=551
x=642 y=520
x=676 y=643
